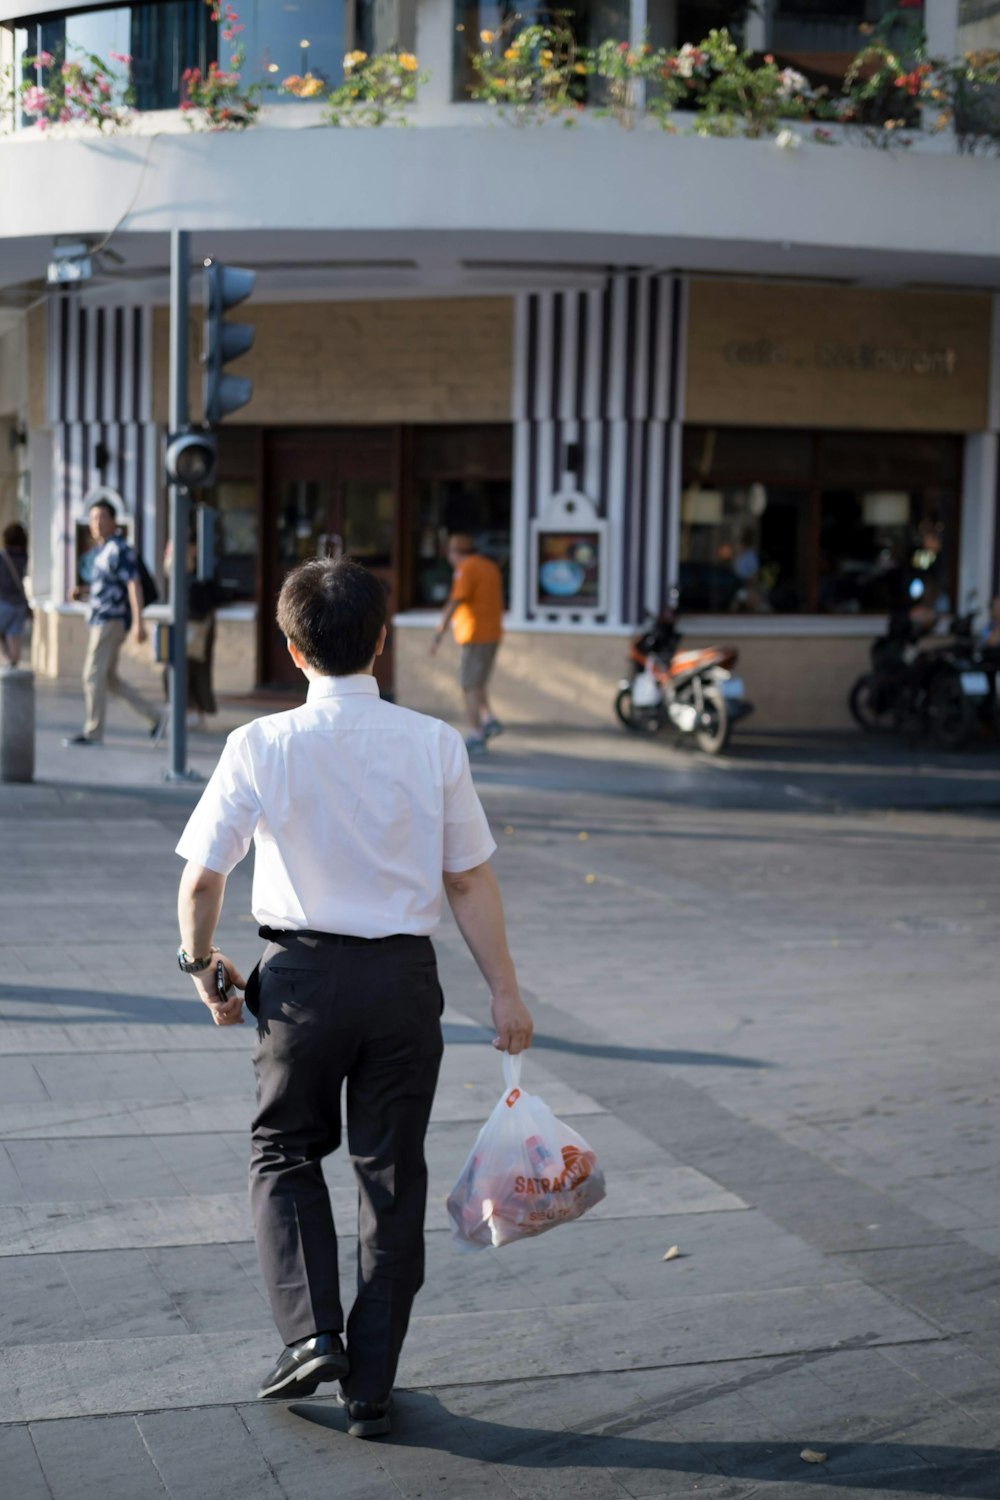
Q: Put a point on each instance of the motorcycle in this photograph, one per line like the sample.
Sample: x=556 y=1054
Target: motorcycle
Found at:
x=694 y=691
x=937 y=691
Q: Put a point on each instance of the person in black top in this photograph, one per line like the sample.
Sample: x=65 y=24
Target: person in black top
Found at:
x=14 y=607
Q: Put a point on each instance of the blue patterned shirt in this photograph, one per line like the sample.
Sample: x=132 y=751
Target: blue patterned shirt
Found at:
x=114 y=567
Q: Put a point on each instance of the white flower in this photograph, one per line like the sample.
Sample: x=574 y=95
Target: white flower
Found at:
x=787 y=140
x=792 y=82
x=688 y=58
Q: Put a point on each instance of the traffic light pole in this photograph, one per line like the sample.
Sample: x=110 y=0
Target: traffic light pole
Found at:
x=180 y=260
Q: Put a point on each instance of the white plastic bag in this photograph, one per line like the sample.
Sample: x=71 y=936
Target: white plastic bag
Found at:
x=526 y=1173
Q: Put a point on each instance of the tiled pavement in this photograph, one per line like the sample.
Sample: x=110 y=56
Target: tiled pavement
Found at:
x=837 y=1283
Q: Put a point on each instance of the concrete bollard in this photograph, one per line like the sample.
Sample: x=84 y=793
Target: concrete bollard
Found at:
x=17 y=725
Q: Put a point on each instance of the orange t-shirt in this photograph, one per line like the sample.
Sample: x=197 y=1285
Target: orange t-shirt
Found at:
x=477 y=584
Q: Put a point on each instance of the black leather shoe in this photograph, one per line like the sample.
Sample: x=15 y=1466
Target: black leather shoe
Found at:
x=303 y=1366
x=366 y=1418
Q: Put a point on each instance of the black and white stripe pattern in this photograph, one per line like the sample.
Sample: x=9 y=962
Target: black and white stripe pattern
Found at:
x=602 y=368
x=100 y=397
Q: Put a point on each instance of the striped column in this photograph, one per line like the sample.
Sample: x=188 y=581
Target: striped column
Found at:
x=602 y=368
x=100 y=394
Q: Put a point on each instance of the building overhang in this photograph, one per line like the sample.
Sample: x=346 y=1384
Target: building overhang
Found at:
x=445 y=210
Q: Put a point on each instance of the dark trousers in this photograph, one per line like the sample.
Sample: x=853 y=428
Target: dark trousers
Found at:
x=330 y=1010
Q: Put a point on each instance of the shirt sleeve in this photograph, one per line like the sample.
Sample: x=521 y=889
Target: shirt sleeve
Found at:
x=221 y=827
x=467 y=838
x=126 y=566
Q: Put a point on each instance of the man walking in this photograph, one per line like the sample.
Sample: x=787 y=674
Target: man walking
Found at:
x=359 y=811
x=475 y=610
x=116 y=604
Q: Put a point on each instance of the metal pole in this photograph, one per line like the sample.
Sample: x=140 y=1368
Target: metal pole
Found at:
x=180 y=256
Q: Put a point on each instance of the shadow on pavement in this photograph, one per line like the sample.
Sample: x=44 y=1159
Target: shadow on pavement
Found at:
x=421 y=1421
x=678 y=1057
x=112 y=1006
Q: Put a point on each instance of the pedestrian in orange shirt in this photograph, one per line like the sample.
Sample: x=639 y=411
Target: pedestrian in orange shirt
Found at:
x=475 y=610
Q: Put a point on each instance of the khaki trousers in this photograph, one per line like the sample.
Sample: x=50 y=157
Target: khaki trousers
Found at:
x=100 y=677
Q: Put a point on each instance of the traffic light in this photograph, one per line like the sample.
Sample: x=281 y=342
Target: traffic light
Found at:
x=190 y=459
x=225 y=287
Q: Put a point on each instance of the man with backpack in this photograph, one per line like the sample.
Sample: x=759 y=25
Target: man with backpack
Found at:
x=116 y=604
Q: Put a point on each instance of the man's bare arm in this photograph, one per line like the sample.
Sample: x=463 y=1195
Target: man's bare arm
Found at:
x=446 y=615
x=474 y=897
x=199 y=905
x=135 y=598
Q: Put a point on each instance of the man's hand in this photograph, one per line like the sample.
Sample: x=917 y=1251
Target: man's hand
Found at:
x=224 y=1012
x=139 y=632
x=512 y=1020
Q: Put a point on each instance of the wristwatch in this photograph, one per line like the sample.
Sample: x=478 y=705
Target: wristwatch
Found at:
x=189 y=965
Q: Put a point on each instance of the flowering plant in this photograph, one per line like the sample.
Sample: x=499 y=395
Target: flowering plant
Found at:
x=78 y=89
x=218 y=98
x=375 y=90
x=889 y=79
x=637 y=81
x=306 y=86
x=737 y=97
x=534 y=72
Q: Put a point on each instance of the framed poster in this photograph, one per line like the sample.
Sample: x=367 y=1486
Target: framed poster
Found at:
x=569 y=557
x=569 y=569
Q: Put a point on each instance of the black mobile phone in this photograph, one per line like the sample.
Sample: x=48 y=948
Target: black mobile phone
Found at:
x=221 y=989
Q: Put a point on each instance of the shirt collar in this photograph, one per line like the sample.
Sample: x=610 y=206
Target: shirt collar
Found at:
x=342 y=687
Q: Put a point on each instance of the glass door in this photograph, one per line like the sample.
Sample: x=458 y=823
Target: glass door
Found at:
x=327 y=493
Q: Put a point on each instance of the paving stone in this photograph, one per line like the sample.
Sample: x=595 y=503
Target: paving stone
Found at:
x=307 y=1448
x=39 y=1304
x=210 y=1289
x=207 y=1453
x=96 y=1460
x=49 y=1228
x=49 y=1170
x=20 y=1472
x=122 y=1295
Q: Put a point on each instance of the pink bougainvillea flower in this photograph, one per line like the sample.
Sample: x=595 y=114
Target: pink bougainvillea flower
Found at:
x=227 y=34
x=44 y=60
x=120 y=57
x=186 y=104
x=34 y=100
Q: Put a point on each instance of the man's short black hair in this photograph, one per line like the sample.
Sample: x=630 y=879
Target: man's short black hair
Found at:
x=104 y=505
x=333 y=612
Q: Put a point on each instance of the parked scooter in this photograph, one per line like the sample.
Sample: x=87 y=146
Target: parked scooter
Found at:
x=694 y=691
x=919 y=687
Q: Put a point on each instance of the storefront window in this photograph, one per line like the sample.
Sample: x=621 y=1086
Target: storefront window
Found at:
x=834 y=523
x=462 y=483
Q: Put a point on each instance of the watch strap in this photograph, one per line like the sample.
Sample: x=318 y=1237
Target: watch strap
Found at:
x=190 y=965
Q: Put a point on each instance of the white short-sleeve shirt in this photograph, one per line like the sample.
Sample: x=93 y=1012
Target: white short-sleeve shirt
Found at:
x=355 y=808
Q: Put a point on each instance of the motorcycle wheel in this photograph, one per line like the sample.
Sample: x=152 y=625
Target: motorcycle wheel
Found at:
x=637 y=720
x=951 y=717
x=866 y=709
x=713 y=735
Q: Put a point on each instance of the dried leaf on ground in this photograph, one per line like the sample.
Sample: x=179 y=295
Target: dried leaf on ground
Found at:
x=813 y=1456
x=673 y=1253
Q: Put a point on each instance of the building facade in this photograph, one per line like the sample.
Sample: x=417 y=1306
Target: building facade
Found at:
x=624 y=360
